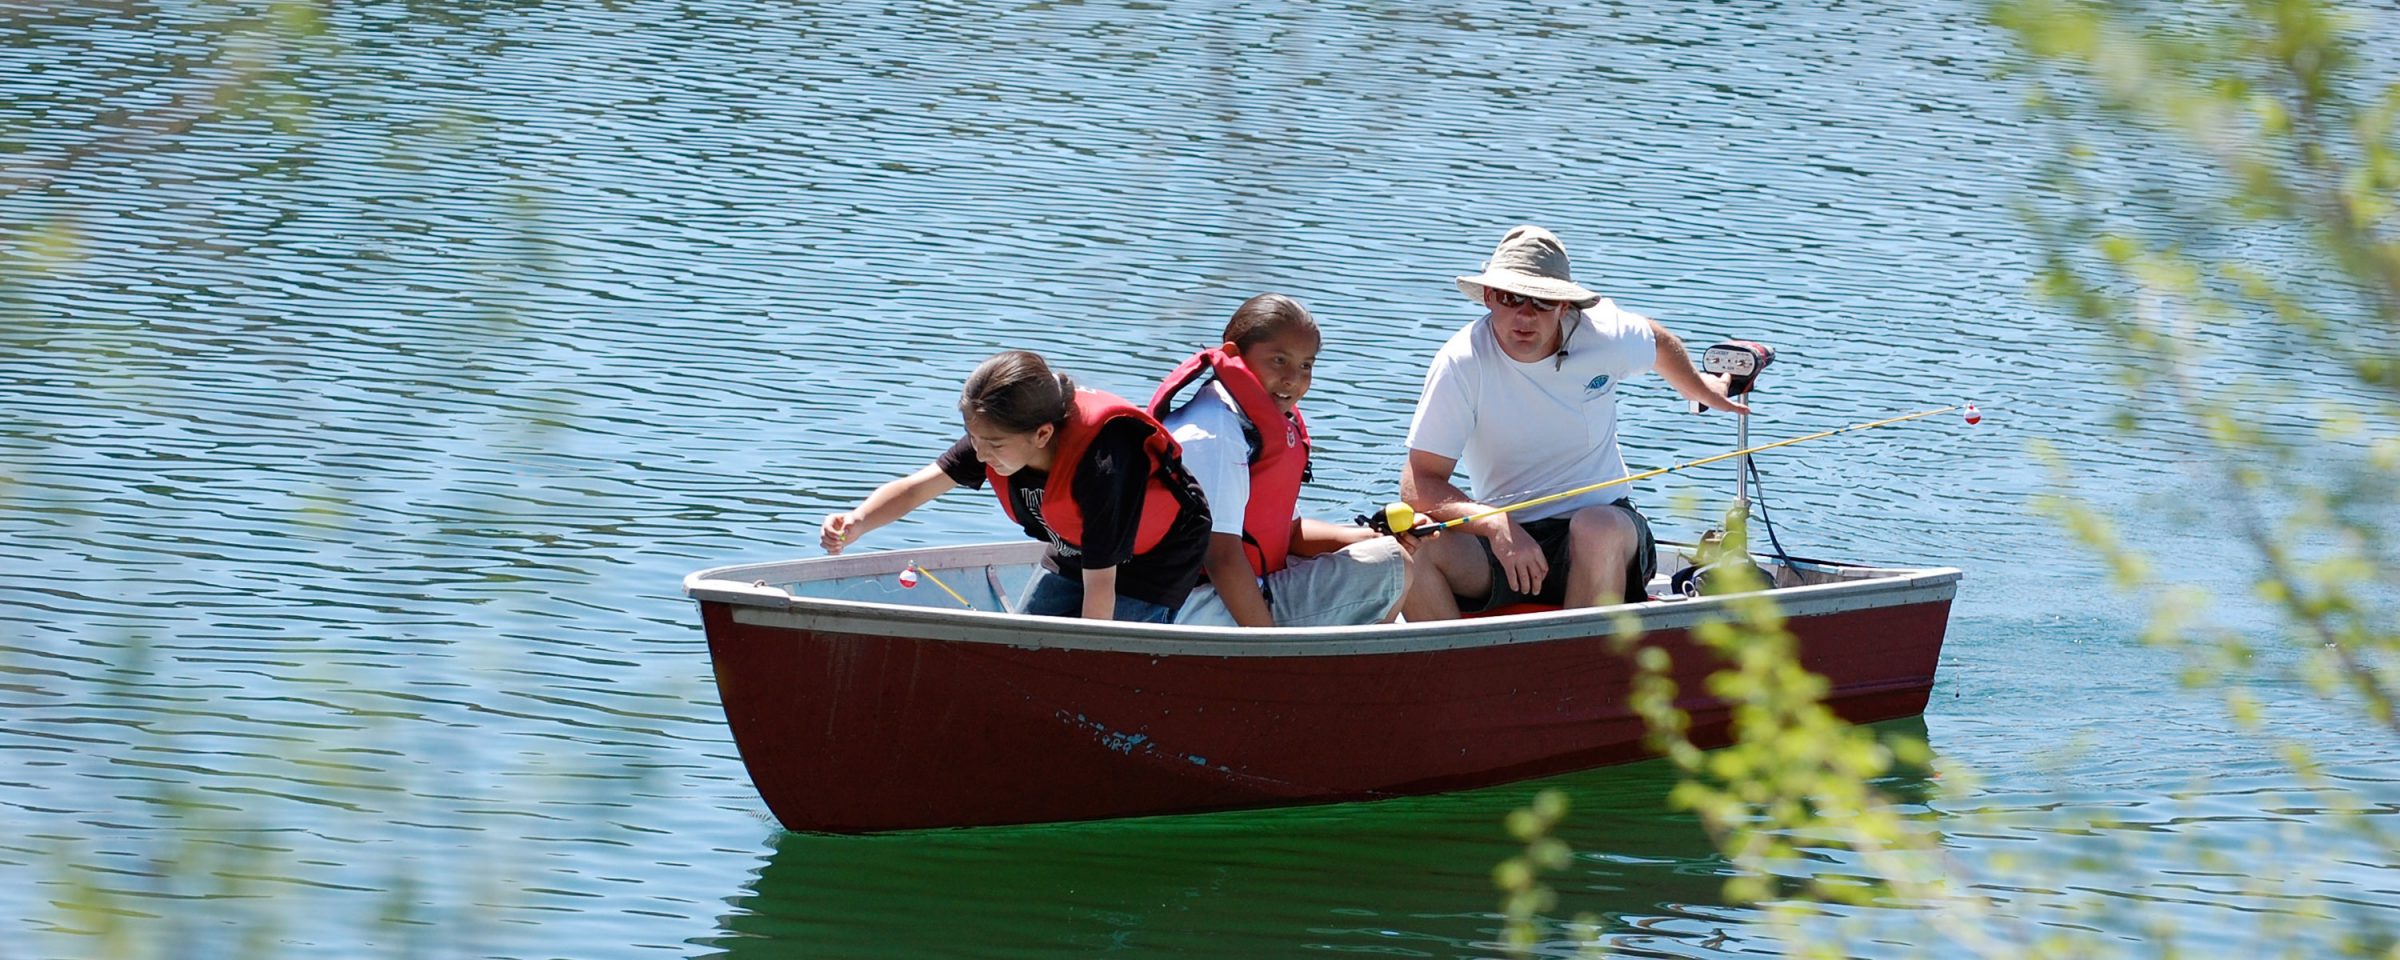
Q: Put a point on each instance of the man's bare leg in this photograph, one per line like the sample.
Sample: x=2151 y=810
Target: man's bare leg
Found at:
x=1601 y=541
x=1447 y=567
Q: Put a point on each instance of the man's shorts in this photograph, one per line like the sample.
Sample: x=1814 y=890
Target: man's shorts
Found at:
x=1360 y=583
x=1551 y=534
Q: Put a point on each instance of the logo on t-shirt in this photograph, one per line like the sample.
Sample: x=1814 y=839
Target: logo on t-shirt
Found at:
x=1598 y=383
x=1029 y=497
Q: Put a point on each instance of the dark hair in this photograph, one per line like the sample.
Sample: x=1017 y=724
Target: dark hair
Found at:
x=1264 y=316
x=1017 y=392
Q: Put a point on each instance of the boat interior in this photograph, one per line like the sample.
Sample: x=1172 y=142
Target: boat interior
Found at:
x=993 y=577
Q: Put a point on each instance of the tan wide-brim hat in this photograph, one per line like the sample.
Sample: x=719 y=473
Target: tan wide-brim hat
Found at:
x=1529 y=262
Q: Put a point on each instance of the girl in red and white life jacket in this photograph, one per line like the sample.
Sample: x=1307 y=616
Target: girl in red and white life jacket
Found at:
x=1092 y=474
x=1244 y=440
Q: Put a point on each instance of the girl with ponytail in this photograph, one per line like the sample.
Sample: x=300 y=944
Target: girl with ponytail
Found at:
x=1094 y=476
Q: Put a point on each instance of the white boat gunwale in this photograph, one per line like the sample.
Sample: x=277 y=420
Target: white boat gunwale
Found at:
x=756 y=601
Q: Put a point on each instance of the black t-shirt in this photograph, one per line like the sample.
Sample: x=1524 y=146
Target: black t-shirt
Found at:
x=1109 y=488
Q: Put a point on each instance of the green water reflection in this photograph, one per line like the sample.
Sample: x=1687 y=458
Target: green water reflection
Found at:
x=1405 y=877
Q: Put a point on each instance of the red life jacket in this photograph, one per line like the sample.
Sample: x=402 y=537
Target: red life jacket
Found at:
x=1278 y=465
x=1060 y=512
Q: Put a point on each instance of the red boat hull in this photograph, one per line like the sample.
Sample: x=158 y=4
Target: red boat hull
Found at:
x=852 y=731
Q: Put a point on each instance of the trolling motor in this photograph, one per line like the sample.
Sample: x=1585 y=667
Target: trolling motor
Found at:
x=1736 y=363
x=1739 y=362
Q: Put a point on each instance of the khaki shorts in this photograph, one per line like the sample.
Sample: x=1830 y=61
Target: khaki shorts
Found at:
x=1360 y=583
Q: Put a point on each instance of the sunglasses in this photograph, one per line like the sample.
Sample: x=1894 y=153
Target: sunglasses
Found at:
x=1518 y=301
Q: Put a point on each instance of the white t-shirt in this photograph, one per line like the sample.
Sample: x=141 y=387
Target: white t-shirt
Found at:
x=1524 y=430
x=1209 y=426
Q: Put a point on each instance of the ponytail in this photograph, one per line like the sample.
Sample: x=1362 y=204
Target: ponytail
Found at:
x=1017 y=391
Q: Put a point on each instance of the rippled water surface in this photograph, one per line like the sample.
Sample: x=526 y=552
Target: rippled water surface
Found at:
x=353 y=460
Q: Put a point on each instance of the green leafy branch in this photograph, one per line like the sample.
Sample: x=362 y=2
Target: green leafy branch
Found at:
x=2304 y=149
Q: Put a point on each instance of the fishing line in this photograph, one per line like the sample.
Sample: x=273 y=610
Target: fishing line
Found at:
x=1399 y=517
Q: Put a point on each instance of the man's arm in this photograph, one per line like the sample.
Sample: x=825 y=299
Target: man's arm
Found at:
x=1425 y=484
x=1675 y=366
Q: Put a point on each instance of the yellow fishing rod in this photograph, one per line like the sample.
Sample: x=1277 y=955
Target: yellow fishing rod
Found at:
x=1399 y=517
x=908 y=578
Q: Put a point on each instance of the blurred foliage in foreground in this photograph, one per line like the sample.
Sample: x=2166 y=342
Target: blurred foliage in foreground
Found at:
x=2284 y=175
x=189 y=866
x=2262 y=134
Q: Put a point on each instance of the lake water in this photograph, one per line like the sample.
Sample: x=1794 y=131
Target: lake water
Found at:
x=351 y=469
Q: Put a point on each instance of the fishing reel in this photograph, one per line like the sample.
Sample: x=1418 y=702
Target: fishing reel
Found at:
x=1739 y=362
x=1398 y=517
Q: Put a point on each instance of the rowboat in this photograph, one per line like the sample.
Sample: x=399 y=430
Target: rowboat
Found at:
x=863 y=700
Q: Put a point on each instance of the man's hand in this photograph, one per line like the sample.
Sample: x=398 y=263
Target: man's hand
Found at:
x=1520 y=557
x=1676 y=366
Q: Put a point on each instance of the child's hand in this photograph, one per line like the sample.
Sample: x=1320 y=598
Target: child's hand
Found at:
x=837 y=532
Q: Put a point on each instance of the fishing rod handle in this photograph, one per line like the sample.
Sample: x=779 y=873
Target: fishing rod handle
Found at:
x=1397 y=518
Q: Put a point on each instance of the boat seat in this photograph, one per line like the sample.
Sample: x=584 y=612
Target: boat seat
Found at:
x=1529 y=606
x=1521 y=606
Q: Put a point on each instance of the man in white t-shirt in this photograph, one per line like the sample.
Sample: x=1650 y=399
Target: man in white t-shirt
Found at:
x=1526 y=400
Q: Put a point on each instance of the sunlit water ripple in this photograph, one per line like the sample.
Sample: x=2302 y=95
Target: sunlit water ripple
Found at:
x=352 y=468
